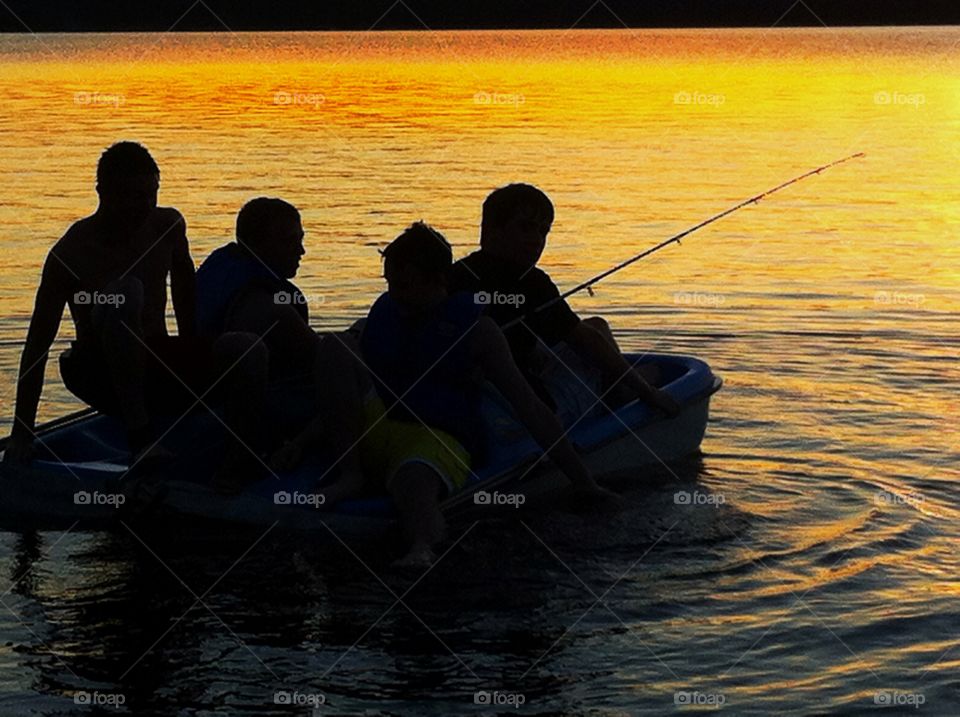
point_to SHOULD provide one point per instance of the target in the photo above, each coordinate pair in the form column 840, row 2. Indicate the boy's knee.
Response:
column 242, row 350
column 597, row 323
column 337, row 355
column 349, row 339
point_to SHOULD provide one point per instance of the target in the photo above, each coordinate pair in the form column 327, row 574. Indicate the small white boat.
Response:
column 79, row 472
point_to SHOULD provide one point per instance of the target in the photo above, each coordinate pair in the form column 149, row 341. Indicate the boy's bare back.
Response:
column 86, row 260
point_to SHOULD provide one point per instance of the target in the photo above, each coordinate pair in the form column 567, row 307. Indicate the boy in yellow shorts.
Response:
column 427, row 352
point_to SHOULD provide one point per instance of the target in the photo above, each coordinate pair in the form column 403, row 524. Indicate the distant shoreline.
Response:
column 258, row 31
column 392, row 15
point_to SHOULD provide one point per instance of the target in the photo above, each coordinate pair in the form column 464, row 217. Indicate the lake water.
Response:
column 827, row 580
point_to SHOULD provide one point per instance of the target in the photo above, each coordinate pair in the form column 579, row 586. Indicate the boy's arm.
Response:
column 55, row 283
column 493, row 353
column 183, row 276
column 282, row 328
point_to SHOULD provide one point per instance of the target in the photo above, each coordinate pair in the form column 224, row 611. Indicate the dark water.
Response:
column 218, row 624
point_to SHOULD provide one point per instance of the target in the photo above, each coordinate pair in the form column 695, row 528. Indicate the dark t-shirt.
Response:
column 511, row 293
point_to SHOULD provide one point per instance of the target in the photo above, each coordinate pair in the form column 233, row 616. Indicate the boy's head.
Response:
column 516, row 221
column 416, row 264
column 128, row 180
column 271, row 229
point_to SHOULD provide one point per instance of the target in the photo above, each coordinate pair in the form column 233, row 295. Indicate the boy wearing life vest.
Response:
column 571, row 362
column 427, row 351
column 246, row 286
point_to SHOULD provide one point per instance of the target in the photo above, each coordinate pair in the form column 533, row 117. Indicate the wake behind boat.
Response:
column 78, row 473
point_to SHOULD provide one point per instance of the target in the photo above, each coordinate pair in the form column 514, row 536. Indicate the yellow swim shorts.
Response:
column 390, row 444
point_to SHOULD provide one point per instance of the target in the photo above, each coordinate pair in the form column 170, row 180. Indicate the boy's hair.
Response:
column 423, row 247
column 257, row 217
column 503, row 203
column 122, row 160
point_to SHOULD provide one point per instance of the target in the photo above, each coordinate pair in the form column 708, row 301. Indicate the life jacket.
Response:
column 226, row 276
column 426, row 362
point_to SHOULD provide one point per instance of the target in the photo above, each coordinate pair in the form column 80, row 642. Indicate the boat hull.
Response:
column 81, row 480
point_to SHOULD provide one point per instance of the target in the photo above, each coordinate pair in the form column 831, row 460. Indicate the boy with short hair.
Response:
column 504, row 274
column 428, row 350
column 246, row 286
column 111, row 270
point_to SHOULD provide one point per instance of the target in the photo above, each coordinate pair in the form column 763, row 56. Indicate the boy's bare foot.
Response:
column 143, row 493
column 19, row 451
column 150, row 460
column 155, row 452
column 420, row 556
column 287, row 457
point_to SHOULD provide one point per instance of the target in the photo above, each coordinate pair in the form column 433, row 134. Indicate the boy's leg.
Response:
column 649, row 371
column 337, row 389
column 240, row 367
column 342, row 383
column 416, row 490
column 601, row 326
column 119, row 327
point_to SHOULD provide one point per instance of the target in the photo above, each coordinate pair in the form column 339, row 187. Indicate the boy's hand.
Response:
column 287, row 457
column 597, row 498
column 19, row 450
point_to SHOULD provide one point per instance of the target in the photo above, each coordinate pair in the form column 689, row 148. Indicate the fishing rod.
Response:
column 675, row 239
